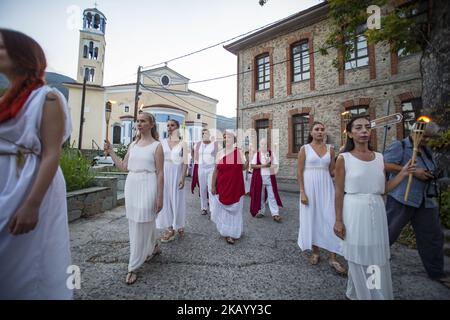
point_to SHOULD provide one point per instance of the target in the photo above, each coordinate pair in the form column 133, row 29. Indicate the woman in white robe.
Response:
column 227, row 190
column 143, row 192
column 173, row 214
column 34, row 122
column 317, row 214
column 361, row 220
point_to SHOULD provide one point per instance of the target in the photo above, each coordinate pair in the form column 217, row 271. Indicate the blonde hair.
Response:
column 154, row 130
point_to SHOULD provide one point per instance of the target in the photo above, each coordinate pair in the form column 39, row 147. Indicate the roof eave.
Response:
column 297, row 21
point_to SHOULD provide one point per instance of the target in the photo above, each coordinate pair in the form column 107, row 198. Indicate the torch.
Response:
column 108, row 107
column 345, row 116
column 417, row 134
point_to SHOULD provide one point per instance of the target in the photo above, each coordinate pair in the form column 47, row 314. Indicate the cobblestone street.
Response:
column 265, row 263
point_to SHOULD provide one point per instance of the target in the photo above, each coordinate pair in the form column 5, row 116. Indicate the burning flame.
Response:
column 424, row 119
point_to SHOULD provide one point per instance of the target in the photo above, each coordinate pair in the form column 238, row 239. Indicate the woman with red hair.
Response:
column 34, row 122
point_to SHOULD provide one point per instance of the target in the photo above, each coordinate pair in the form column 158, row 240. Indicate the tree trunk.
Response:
column 435, row 64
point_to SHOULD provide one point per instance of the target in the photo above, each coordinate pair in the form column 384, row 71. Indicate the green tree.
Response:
column 407, row 31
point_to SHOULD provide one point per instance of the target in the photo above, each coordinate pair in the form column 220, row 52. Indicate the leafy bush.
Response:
column 76, row 169
column 121, row 151
column 407, row 236
column 445, row 209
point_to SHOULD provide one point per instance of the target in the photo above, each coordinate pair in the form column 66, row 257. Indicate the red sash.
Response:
column 256, row 188
column 230, row 180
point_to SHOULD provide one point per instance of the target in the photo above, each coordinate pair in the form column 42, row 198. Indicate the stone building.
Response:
column 285, row 83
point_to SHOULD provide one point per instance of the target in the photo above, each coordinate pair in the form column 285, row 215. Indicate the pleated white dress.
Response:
column 318, row 217
column 228, row 218
column 366, row 243
column 173, row 213
column 140, row 202
column 32, row 265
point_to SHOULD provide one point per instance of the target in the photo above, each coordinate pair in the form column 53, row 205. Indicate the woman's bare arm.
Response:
column 339, row 227
column 51, row 132
column 159, row 163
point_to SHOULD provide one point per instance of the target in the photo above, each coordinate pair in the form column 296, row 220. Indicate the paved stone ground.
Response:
column 265, row 263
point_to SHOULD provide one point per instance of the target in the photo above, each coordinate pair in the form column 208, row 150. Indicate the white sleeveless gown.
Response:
column 318, row 217
column 32, row 265
column 140, row 201
column 173, row 213
column 366, row 243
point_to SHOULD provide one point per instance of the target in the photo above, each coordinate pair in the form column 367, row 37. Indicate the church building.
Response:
column 162, row 91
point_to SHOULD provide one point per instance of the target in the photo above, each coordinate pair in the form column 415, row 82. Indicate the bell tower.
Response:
column 91, row 54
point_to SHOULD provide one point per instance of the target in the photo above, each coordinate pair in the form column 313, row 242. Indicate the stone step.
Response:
column 120, row 198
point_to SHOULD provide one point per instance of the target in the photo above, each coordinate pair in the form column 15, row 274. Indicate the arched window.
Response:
column 262, row 128
column 91, row 50
column 97, row 22
column 92, row 74
column 358, row 111
column 86, row 73
column 96, row 53
column 300, row 61
column 359, row 56
column 85, row 51
column 117, row 131
column 88, row 19
column 263, row 72
column 300, row 125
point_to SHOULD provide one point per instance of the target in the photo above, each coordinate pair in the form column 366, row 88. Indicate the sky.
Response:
column 148, row 32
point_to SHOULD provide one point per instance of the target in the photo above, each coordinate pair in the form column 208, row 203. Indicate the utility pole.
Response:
column 83, row 97
column 136, row 96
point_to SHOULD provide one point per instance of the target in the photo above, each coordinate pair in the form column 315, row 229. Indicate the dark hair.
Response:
column 178, row 126
column 30, row 63
column 349, row 143
column 176, row 122
column 310, row 138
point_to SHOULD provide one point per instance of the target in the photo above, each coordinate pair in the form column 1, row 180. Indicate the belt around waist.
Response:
column 363, row 194
column 319, row 168
column 141, row 171
column 19, row 152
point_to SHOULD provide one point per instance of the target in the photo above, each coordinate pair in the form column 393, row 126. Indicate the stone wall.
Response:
column 326, row 94
column 90, row 201
column 120, row 176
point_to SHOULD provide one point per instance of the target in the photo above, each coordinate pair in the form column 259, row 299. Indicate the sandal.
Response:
column 229, row 240
column 337, row 267
column 204, row 212
column 168, row 236
column 156, row 251
column 277, row 219
column 131, row 278
column 445, row 281
column 181, row 233
column 314, row 258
